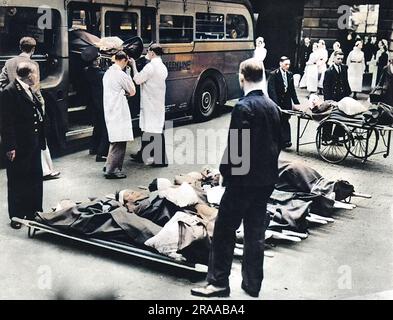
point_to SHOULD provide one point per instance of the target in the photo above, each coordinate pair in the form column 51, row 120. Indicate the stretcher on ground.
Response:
column 125, row 248
column 336, row 138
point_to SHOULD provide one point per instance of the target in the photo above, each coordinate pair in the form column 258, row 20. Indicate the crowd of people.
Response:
column 23, row 120
column 367, row 55
column 259, row 112
column 113, row 125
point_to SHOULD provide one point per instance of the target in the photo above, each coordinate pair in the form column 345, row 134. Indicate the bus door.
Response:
column 126, row 24
column 84, row 26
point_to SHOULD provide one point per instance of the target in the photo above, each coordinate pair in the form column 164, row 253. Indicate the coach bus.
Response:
column 204, row 42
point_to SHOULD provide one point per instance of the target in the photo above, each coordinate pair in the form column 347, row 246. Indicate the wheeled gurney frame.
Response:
column 355, row 138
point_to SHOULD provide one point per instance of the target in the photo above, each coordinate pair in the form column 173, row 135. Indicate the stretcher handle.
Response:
column 362, row 195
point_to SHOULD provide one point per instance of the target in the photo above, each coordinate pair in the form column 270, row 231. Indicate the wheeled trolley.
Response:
column 338, row 137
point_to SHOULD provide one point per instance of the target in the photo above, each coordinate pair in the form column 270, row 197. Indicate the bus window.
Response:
column 79, row 20
column 84, row 17
column 176, row 29
column 237, row 27
column 210, row 26
column 121, row 24
column 18, row 22
column 148, row 22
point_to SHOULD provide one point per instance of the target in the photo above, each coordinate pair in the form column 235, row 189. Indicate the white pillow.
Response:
column 182, row 196
column 351, row 106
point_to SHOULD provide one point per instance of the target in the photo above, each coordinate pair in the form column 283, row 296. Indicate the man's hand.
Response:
column 131, row 62
column 11, row 155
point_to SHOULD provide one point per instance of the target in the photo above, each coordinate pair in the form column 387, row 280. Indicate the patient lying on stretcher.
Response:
column 319, row 109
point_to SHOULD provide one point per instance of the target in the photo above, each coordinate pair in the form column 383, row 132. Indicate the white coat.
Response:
column 356, row 67
column 117, row 112
column 260, row 54
column 153, row 89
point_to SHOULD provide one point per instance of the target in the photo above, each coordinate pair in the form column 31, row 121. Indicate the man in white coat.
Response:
column 117, row 85
column 152, row 118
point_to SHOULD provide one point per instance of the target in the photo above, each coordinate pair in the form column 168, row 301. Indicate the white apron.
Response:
column 310, row 77
column 153, row 89
column 323, row 58
column 356, row 67
column 117, row 112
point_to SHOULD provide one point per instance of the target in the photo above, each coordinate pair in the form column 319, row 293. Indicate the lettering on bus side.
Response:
column 175, row 66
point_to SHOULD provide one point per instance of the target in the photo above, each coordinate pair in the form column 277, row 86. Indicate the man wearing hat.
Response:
column 94, row 75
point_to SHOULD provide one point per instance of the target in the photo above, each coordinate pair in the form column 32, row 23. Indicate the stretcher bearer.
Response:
column 23, row 138
column 254, row 139
column 117, row 85
column 152, row 80
column 282, row 91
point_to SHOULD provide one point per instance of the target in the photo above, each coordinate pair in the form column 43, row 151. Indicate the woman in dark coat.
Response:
column 386, row 83
column 382, row 57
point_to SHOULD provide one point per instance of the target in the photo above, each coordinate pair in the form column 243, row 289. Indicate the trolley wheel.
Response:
column 358, row 146
column 333, row 141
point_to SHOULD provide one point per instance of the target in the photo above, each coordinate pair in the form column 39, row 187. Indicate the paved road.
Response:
column 350, row 258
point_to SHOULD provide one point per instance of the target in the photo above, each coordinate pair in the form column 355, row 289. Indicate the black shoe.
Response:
column 92, row 152
column 287, row 145
column 251, row 293
column 15, row 225
column 156, row 165
column 210, row 291
column 136, row 157
column 51, row 176
column 117, row 175
column 100, row 159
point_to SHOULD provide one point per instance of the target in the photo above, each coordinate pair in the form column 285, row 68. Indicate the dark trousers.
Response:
column 237, row 204
column 153, row 146
column 285, row 128
column 24, row 181
column 99, row 141
column 115, row 159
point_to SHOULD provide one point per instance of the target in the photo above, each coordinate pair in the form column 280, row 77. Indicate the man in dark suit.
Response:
column 99, row 144
column 23, row 138
column 335, row 84
column 304, row 54
column 282, row 91
column 250, row 170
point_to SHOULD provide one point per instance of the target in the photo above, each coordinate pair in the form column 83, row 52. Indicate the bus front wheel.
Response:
column 206, row 99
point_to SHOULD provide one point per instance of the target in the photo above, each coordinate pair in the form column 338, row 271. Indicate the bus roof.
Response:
column 246, row 3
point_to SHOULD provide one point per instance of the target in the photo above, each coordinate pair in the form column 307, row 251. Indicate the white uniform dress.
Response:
column 323, row 58
column 260, row 54
column 310, row 77
column 117, row 112
column 356, row 66
column 153, row 89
